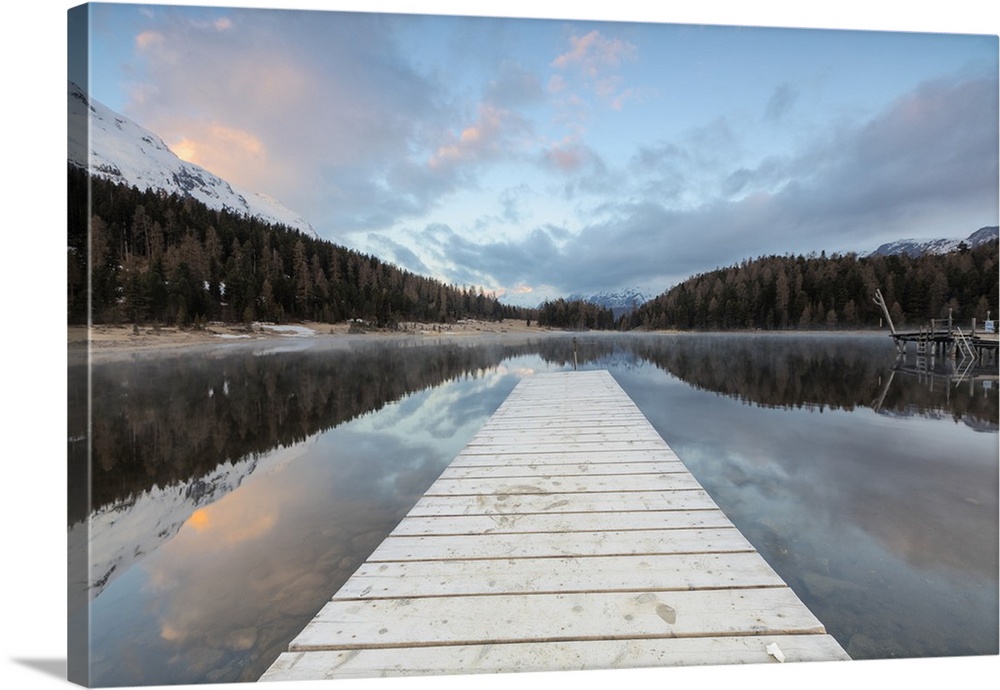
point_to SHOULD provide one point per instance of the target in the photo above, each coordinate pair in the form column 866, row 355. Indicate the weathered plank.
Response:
column 566, row 534
column 506, row 458
column 509, row 439
column 490, row 619
column 536, row 575
column 502, row 486
column 545, row 656
column 608, row 502
column 511, row 523
column 525, row 447
column 563, row 469
column 547, row 544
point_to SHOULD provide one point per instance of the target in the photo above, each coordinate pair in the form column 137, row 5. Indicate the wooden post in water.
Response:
column 880, row 301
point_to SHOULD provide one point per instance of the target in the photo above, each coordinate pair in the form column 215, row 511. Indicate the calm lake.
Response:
column 235, row 488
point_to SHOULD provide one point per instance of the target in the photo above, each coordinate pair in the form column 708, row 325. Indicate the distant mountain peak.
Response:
column 914, row 247
column 117, row 149
column 623, row 301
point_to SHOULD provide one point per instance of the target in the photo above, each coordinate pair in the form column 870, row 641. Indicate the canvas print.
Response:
column 422, row 344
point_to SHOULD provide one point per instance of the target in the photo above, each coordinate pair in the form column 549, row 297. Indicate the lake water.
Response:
column 236, row 488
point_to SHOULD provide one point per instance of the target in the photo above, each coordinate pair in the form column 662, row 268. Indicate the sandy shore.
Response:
column 132, row 338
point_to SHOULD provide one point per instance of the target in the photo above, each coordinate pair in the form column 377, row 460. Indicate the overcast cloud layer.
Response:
column 538, row 158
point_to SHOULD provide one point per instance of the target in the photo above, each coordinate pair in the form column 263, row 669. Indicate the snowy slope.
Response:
column 913, row 247
column 122, row 151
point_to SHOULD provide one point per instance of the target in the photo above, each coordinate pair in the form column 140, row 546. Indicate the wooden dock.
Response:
column 566, row 535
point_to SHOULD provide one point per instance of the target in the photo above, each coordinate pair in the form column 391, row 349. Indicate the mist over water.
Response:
column 235, row 490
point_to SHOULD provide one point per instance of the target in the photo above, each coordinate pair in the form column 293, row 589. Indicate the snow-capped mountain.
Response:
column 122, row 151
column 619, row 302
column 940, row 246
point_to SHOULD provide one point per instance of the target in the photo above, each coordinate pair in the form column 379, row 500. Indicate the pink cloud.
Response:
column 593, row 53
column 483, row 139
column 568, row 155
column 227, row 151
column 597, row 60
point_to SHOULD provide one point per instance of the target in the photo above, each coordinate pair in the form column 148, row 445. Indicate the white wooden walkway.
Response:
column 566, row 535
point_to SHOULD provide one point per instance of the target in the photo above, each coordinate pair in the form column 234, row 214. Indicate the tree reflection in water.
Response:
column 276, row 473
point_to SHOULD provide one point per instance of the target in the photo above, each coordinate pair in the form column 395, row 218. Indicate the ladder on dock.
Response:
column 566, row 535
column 962, row 344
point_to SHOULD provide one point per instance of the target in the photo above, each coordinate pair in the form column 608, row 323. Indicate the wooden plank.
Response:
column 580, row 435
column 557, row 457
column 553, row 422
column 524, row 446
column 547, row 544
column 561, row 485
column 491, row 619
column 612, row 501
column 530, row 576
column 566, row 534
column 511, row 523
column 563, row 469
column 537, row 657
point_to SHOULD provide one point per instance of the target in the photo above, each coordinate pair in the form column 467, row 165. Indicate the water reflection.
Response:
column 884, row 521
column 157, row 422
column 224, row 595
column 841, row 372
column 234, row 493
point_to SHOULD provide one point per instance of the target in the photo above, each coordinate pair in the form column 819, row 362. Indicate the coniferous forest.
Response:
column 167, row 259
column 159, row 258
column 575, row 314
column 829, row 292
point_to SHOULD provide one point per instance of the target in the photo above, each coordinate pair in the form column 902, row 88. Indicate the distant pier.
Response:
column 936, row 341
column 566, row 535
column 944, row 338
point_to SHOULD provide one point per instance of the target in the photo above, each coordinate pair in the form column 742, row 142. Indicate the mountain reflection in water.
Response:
column 233, row 491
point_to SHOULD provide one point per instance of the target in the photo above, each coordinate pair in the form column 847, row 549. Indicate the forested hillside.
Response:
column 161, row 258
column 576, row 314
column 167, row 259
column 789, row 292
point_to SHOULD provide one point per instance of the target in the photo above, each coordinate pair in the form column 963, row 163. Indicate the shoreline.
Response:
column 103, row 340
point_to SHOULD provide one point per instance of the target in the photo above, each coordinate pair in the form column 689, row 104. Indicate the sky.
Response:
column 542, row 157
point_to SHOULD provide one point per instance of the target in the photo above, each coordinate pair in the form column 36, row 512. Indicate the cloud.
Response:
column 217, row 147
column 557, row 84
column 398, row 254
column 930, row 157
column 512, row 200
column 330, row 99
column 149, row 40
column 593, row 54
column 595, row 60
column 781, row 101
column 514, row 86
column 489, row 137
column 339, row 124
column 495, row 264
column 567, row 156
column 701, row 163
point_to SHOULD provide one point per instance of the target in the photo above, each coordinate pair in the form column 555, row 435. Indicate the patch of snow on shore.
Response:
column 297, row 331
